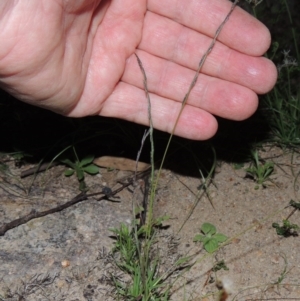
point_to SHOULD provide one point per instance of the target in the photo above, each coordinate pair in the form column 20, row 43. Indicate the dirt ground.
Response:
column 65, row 255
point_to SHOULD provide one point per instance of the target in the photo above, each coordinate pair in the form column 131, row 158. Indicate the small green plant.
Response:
column 259, row 170
column 125, row 245
column 210, row 238
column 146, row 282
column 287, row 229
column 79, row 167
column 294, row 204
column 220, row 265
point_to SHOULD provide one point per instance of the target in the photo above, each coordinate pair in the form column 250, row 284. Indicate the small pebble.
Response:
column 65, row 263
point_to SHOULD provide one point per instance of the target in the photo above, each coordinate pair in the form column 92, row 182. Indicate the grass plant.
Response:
column 259, row 170
column 282, row 104
column 143, row 270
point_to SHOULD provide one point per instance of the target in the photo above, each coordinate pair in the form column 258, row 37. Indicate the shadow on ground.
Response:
column 34, row 134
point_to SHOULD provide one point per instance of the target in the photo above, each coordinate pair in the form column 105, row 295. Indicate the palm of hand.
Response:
column 76, row 58
column 75, row 54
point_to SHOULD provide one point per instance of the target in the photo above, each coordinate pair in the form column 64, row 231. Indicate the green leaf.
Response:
column 69, row 163
column 138, row 210
column 199, row 237
column 80, row 174
column 211, row 246
column 87, row 160
column 69, row 172
column 206, row 239
column 159, row 221
column 208, row 228
column 91, row 169
column 182, row 261
column 220, row 237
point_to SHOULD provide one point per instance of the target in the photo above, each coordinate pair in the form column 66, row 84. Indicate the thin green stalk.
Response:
column 289, row 82
column 144, row 254
column 151, row 142
column 293, row 29
column 144, row 251
column 193, row 83
column 184, row 101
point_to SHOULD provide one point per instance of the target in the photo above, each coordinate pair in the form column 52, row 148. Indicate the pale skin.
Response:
column 76, row 58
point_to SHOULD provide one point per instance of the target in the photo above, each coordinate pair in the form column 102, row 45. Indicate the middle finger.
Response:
column 172, row 41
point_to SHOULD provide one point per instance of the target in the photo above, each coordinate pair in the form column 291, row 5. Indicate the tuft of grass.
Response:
column 146, row 283
column 282, row 105
column 136, row 256
column 259, row 170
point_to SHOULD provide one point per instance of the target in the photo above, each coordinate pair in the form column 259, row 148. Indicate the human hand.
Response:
column 77, row 58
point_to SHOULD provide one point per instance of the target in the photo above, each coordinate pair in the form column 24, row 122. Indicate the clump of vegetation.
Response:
column 146, row 282
column 79, row 167
column 286, row 229
column 210, row 238
column 259, row 170
column 220, row 265
column 282, row 104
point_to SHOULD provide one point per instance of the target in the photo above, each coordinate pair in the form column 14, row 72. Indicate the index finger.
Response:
column 243, row 33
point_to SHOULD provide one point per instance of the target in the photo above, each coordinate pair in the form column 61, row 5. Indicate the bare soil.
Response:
column 65, row 255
